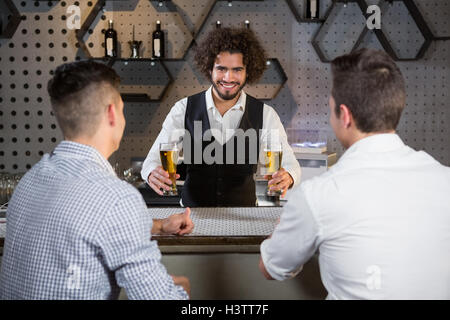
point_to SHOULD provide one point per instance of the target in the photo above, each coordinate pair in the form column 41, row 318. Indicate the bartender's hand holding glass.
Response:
column 164, row 177
column 159, row 180
column 279, row 180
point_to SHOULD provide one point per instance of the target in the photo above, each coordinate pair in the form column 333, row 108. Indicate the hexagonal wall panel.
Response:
column 144, row 14
column 409, row 38
column 142, row 80
column 432, row 11
column 402, row 40
column 194, row 12
column 271, row 82
column 337, row 36
column 9, row 19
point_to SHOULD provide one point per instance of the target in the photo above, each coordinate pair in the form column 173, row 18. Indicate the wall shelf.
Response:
column 383, row 39
column 142, row 80
column 10, row 17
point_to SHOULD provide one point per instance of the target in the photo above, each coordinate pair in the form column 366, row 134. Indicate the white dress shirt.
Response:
column 380, row 219
column 222, row 128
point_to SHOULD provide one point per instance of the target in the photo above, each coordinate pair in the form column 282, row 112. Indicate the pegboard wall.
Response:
column 297, row 83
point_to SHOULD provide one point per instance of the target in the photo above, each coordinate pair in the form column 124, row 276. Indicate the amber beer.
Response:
column 168, row 153
column 273, row 156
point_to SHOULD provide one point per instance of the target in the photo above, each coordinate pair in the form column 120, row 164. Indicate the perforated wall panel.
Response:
column 43, row 41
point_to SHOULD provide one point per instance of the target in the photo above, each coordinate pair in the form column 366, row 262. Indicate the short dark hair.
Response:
column 77, row 92
column 233, row 40
column 371, row 85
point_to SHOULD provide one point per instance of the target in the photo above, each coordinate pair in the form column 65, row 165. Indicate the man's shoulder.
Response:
column 326, row 185
column 90, row 177
column 110, row 184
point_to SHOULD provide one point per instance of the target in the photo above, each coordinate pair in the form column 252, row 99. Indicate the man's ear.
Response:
column 345, row 116
column 112, row 114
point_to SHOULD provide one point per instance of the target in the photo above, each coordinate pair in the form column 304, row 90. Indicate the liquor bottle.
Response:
column 158, row 42
column 218, row 24
column 111, row 41
column 247, row 24
column 312, row 9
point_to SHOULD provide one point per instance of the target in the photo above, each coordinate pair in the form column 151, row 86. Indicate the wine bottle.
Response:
column 312, row 9
column 111, row 41
column 158, row 42
column 218, row 24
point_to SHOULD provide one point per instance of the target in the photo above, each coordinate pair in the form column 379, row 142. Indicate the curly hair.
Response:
column 233, row 40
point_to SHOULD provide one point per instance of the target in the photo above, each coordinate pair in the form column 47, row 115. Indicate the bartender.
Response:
column 230, row 58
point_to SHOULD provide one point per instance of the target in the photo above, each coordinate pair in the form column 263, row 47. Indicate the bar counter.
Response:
column 221, row 255
column 220, row 230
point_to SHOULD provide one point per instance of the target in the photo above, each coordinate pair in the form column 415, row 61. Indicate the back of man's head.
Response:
column 79, row 93
column 371, row 85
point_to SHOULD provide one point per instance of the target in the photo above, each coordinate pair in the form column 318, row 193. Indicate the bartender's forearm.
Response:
column 294, row 173
column 149, row 165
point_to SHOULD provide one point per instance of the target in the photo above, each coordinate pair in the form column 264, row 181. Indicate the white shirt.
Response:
column 381, row 221
column 222, row 128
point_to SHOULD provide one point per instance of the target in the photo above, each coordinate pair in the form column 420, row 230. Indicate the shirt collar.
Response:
column 382, row 142
column 72, row 149
column 240, row 103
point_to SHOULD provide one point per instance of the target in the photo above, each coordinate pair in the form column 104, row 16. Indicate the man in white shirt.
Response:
column 210, row 121
column 380, row 218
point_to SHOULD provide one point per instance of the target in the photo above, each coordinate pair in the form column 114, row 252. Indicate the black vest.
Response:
column 221, row 185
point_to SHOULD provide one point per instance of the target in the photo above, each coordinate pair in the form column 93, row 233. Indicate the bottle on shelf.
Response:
column 111, row 41
column 158, row 42
column 218, row 24
column 247, row 24
column 312, row 9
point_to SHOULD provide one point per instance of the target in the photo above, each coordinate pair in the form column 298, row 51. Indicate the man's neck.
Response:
column 223, row 105
column 358, row 135
column 99, row 144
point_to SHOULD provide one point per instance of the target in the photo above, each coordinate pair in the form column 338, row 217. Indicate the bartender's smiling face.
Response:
column 228, row 75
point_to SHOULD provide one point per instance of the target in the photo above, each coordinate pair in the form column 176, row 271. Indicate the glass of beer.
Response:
column 169, row 159
column 273, row 154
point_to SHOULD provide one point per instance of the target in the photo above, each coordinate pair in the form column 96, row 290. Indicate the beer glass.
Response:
column 168, row 153
column 273, row 154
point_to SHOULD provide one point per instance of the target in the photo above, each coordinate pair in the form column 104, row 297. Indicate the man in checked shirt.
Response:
column 75, row 230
